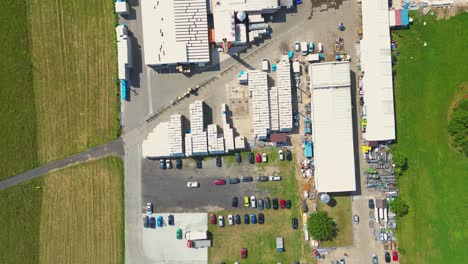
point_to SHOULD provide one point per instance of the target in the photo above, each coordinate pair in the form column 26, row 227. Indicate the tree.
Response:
column 321, row 227
column 458, row 126
column 399, row 207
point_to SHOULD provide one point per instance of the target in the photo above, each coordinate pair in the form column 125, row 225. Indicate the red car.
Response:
column 213, row 219
column 282, row 204
column 258, row 158
column 244, row 253
column 395, row 255
column 316, row 254
column 219, row 182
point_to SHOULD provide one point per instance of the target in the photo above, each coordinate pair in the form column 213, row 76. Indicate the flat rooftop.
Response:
column 175, row 31
column 332, row 127
column 244, row 5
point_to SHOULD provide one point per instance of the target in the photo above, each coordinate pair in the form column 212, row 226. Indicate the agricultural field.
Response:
column 426, row 82
column 59, row 64
column 74, row 215
column 340, row 211
column 260, row 239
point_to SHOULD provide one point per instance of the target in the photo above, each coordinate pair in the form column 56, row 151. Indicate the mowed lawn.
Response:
column 260, row 240
column 59, row 95
column 427, row 78
column 74, row 215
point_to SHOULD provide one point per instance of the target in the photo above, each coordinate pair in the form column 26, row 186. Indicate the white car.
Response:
column 264, row 157
column 281, row 154
column 149, row 208
column 168, row 164
column 275, row 178
column 297, row 46
column 253, row 201
column 193, row 184
column 230, row 220
column 221, row 221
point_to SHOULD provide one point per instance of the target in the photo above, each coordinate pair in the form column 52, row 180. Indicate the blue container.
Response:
column 123, row 90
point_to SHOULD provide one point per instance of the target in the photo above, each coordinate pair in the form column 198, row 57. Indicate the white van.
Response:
column 304, row 49
column 319, row 47
column 265, row 65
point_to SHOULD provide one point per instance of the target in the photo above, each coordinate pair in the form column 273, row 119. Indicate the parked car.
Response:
column 264, row 157
column 219, row 182
column 297, row 45
column 178, row 164
column 281, row 154
column 251, row 158
column 253, row 201
column 275, row 203
column 198, row 163
column 310, row 47
column 258, row 158
column 218, row 161
column 149, row 208
column 375, row 260
column 342, row 261
column 253, row 218
column 288, row 155
column 243, row 253
column 247, row 179
column 356, row 219
column 234, row 180
column 213, row 219
column 261, row 218
column 395, row 255
column 246, row 219
column 193, row 184
column 221, row 221
column 371, row 204
column 169, row 164
column 262, row 178
column 319, row 47
column 234, row 201
column 265, row 65
column 238, row 157
column 388, row 259
column 267, row 203
column 162, row 164
column 298, row 2
column 170, row 220
column 317, row 254
column 275, row 178
column 179, row 233
column 152, row 222
column 282, row 204
column 160, row 221
column 304, row 206
column 260, row 204
column 145, row 221
column 237, row 219
column 294, row 223
column 246, row 201
column 288, row 204
column 230, row 219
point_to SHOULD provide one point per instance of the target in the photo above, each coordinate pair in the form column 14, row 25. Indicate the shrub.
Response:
column 399, row 207
column 458, row 127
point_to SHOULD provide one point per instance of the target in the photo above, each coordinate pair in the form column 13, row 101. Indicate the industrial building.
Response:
column 376, row 64
column 124, row 52
column 175, row 32
column 331, row 114
column 258, row 88
column 398, row 18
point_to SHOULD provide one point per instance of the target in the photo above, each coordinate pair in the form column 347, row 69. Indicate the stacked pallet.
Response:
column 215, row 143
column 274, row 109
column 228, row 131
column 283, row 76
column 176, row 141
column 196, row 142
column 260, row 103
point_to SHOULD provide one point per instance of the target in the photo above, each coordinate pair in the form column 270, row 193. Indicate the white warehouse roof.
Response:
column 332, row 127
column 258, row 86
column 377, row 66
column 175, row 31
column 124, row 51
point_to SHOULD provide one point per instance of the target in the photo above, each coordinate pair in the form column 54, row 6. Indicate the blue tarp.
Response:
column 123, row 90
column 404, row 17
column 308, row 153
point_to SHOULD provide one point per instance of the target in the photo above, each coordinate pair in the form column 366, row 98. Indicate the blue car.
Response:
column 253, row 218
column 160, row 221
column 152, row 222
column 246, row 219
column 298, row 2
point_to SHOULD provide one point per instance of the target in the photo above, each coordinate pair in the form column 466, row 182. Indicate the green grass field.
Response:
column 341, row 213
column 58, row 94
column 435, row 230
column 70, row 216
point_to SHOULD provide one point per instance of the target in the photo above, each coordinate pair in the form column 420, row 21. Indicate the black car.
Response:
column 145, row 221
column 162, row 164
column 251, row 158
column 178, row 164
column 260, row 204
column 388, row 259
column 237, row 219
column 305, row 208
column 246, row 219
column 234, row 180
column 261, row 218
column 247, row 179
column 267, row 203
column 199, row 164
column 152, row 222
column 288, row 204
column 275, row 203
column 218, row 161
column 171, row 220
column 262, row 178
column 234, row 201
column 238, row 158
column 294, row 223
column 288, row 153
column 371, row 204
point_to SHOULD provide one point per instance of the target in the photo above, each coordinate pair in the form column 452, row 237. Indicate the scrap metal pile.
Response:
column 380, row 173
